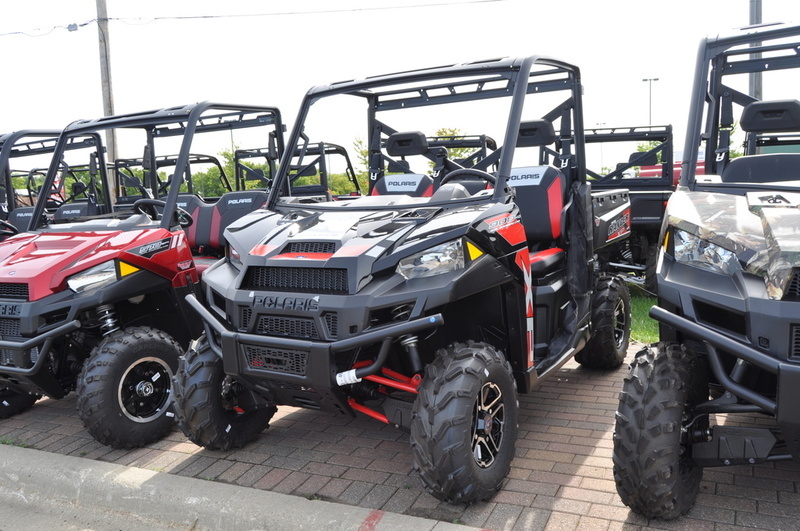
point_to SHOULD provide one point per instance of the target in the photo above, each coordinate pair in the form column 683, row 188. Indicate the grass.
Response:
column 643, row 328
column 13, row 442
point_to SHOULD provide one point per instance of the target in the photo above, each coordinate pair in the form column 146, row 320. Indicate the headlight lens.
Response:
column 696, row 252
column 434, row 261
column 234, row 258
column 93, row 278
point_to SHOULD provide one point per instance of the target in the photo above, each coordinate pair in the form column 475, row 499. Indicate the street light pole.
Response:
column 650, row 105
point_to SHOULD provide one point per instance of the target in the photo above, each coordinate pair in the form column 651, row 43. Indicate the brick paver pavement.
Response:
column 561, row 477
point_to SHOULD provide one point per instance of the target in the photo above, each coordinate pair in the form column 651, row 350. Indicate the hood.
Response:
column 363, row 243
column 761, row 228
column 43, row 261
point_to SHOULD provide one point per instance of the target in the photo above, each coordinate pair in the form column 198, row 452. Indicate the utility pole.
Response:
column 755, row 77
column 105, row 76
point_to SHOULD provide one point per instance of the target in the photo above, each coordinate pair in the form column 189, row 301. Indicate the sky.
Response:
column 174, row 52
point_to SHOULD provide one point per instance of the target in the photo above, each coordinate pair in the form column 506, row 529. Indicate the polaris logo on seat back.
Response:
column 242, row 201
column 402, row 183
column 529, row 176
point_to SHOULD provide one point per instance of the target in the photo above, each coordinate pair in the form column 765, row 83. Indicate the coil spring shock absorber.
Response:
column 108, row 318
column 409, row 341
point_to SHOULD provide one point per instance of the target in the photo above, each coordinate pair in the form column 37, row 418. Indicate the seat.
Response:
column 205, row 235
column 75, row 210
column 20, row 217
column 198, row 234
column 776, row 116
column 770, row 167
column 540, row 193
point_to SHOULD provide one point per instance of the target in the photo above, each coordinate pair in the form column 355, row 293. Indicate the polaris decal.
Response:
column 287, row 303
column 402, row 183
column 240, row 201
column 530, row 176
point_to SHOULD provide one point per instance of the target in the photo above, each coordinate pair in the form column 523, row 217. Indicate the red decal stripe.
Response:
column 302, row 256
column 352, row 250
column 513, row 233
column 261, row 250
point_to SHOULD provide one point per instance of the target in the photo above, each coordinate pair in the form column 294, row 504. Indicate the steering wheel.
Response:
column 7, row 229
column 468, row 172
column 148, row 206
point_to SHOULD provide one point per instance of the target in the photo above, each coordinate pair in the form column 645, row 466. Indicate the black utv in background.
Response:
column 728, row 280
column 646, row 171
column 431, row 302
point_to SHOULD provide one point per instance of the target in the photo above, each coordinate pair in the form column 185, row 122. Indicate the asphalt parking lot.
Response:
column 561, row 477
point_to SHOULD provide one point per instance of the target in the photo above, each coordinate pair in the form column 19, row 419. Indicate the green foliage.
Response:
column 455, row 133
column 643, row 327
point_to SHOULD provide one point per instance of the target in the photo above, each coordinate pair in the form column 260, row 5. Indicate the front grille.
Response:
column 244, row 317
column 794, row 342
column 9, row 328
column 274, row 359
column 296, row 327
column 311, row 247
column 297, row 279
column 9, row 331
column 332, row 322
column 793, row 289
column 9, row 290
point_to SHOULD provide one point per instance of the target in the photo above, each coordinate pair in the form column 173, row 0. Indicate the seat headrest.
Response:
column 771, row 116
column 408, row 143
column 536, row 133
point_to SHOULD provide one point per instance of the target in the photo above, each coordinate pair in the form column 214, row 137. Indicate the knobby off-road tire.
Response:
column 13, row 403
column 210, row 413
column 125, row 387
column 611, row 325
column 653, row 469
column 464, row 423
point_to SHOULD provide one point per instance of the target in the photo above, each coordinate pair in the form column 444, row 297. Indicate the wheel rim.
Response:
column 145, row 389
column 620, row 323
column 487, row 424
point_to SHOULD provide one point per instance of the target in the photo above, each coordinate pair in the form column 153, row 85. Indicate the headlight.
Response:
column 93, row 278
column 234, row 258
column 696, row 252
column 434, row 261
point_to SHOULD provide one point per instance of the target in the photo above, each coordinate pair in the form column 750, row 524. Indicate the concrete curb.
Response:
column 35, row 478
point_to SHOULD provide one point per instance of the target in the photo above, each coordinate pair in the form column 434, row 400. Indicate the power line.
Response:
column 74, row 26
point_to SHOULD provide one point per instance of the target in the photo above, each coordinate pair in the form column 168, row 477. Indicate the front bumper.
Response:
column 783, row 406
column 298, row 372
